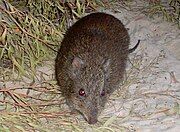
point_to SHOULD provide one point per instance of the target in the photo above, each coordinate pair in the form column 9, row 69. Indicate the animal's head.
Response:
column 90, row 86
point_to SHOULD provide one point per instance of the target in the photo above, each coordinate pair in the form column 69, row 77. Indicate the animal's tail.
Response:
column 135, row 47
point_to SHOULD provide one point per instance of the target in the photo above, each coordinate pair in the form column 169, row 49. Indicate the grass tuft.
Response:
column 31, row 32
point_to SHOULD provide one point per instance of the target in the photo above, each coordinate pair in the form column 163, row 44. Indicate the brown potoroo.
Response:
column 91, row 62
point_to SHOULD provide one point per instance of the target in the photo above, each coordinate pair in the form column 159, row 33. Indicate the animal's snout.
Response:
column 94, row 112
column 92, row 120
column 93, row 116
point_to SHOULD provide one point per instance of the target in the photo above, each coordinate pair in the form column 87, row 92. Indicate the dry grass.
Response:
column 32, row 35
column 169, row 10
column 29, row 38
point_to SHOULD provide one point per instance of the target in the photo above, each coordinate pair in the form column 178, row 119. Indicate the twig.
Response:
column 173, row 78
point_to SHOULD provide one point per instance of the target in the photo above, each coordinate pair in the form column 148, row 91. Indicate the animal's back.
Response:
column 97, row 32
column 101, row 35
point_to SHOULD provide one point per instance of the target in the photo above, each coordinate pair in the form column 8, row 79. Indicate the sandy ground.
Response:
column 150, row 99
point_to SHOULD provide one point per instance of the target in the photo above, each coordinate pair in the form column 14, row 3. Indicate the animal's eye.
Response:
column 82, row 92
column 103, row 93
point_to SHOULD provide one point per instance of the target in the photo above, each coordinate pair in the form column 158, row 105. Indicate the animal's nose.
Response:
column 92, row 120
column 93, row 117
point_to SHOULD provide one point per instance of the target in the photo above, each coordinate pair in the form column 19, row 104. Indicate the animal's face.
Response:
column 90, row 91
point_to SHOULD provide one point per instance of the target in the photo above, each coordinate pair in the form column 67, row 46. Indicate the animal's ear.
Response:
column 77, row 63
column 106, row 67
column 76, row 66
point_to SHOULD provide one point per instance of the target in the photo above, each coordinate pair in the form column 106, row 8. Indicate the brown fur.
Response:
column 92, row 57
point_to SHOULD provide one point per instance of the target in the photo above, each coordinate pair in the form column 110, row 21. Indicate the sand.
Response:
column 150, row 99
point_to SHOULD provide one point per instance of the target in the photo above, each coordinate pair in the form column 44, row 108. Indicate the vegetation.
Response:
column 30, row 34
